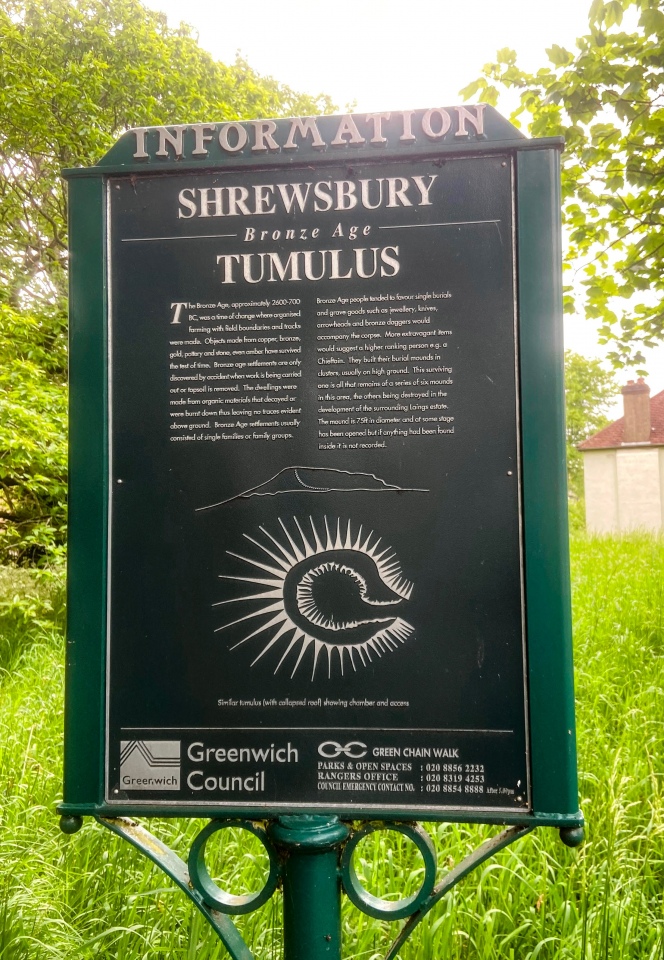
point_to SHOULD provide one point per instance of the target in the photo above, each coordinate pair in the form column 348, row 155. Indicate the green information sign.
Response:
column 318, row 545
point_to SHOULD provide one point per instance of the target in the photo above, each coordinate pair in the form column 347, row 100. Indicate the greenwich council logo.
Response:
column 149, row 764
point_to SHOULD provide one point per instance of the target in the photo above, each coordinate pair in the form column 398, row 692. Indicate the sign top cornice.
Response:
column 296, row 140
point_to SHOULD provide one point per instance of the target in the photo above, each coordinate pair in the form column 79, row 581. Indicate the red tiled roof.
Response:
column 612, row 436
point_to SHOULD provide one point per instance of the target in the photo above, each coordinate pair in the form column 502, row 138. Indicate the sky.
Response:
column 393, row 55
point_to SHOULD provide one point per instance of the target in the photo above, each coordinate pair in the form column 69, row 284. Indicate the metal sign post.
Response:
column 318, row 544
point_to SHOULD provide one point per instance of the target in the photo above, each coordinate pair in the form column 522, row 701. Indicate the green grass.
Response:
column 30, row 601
column 90, row 895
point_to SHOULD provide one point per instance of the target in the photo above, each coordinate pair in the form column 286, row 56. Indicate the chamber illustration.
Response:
column 332, row 596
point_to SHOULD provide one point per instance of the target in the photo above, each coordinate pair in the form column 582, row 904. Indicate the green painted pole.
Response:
column 310, row 847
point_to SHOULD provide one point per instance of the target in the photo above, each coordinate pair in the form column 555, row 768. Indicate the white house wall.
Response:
column 601, row 489
column 624, row 489
column 639, row 488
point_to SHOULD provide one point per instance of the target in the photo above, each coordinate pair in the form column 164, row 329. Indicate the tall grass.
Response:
column 91, row 896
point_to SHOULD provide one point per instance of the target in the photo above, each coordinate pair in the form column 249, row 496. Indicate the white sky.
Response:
column 392, row 55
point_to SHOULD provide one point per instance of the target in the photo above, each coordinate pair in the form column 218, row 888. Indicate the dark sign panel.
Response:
column 317, row 506
column 315, row 553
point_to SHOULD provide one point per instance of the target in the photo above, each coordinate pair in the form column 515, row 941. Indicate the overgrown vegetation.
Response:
column 90, row 895
column 30, row 601
column 33, row 436
column 606, row 98
column 589, row 391
column 74, row 74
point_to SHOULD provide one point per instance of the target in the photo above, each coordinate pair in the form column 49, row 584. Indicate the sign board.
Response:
column 318, row 555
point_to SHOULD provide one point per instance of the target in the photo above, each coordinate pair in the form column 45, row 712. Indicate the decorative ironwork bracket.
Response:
column 312, row 857
column 177, row 870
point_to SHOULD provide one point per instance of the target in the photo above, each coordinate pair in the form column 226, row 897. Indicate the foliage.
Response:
column 30, row 600
column 607, row 100
column 90, row 895
column 576, row 515
column 589, row 390
column 33, row 454
column 73, row 75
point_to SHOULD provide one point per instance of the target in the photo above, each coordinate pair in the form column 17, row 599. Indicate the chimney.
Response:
column 636, row 404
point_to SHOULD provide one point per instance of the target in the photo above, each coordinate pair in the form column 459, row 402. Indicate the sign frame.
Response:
column 538, row 266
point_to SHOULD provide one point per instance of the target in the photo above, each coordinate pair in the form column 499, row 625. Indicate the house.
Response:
column 623, row 466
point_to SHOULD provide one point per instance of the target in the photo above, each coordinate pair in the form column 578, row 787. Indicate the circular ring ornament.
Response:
column 212, row 894
column 375, row 906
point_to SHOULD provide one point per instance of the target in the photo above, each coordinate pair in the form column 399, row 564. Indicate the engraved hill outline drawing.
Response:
column 329, row 480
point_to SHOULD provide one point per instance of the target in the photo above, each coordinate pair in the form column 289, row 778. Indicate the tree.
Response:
column 589, row 390
column 607, row 100
column 74, row 74
column 33, row 437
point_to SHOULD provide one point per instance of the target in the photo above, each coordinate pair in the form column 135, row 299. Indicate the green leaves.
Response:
column 612, row 13
column 556, row 54
column 506, row 55
column 472, row 89
column 607, row 100
column 652, row 21
column 33, row 423
column 74, row 74
column 589, row 389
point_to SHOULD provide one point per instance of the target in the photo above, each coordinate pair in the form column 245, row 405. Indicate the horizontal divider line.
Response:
column 331, row 729
column 449, row 223
column 206, row 236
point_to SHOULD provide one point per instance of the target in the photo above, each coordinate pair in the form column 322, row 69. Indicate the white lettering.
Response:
column 325, row 198
column 239, row 132
column 177, row 311
column 407, row 118
column 476, row 119
column 227, row 260
column 377, row 120
column 207, row 204
column 364, row 190
column 335, row 275
column 424, row 191
column 305, row 126
column 264, row 139
column 236, row 201
column 346, row 198
column 400, row 192
column 445, row 123
column 200, row 150
column 172, row 139
column 190, row 780
column 261, row 198
column 140, row 144
column 347, row 128
column 389, row 261
column 189, row 204
column 295, row 194
column 292, row 264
